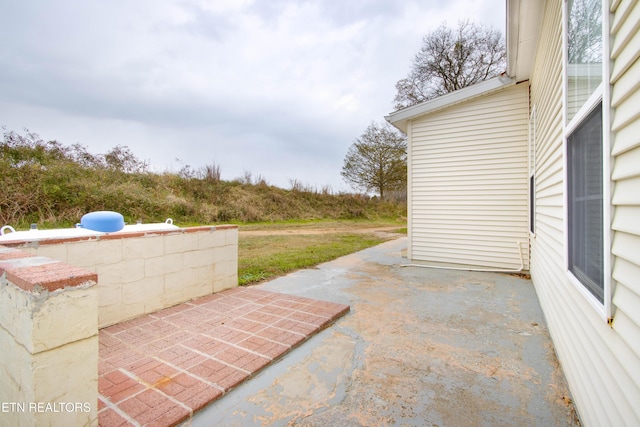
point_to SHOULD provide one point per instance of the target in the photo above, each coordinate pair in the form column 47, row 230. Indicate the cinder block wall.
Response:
column 144, row 272
column 48, row 342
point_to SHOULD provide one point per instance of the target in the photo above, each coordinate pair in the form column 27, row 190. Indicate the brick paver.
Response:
column 160, row 368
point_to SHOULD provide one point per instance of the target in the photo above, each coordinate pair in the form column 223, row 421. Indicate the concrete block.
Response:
column 178, row 296
column 225, row 268
column 87, row 254
column 143, row 247
column 166, row 264
column 179, row 243
column 16, row 384
column 180, row 279
column 109, row 275
column 67, row 316
column 205, row 274
column 109, row 293
column 111, row 251
column 196, row 291
column 183, row 286
column 231, row 236
column 68, row 374
column 211, row 239
column 225, row 282
column 154, row 267
column 58, row 252
column 15, row 313
column 141, row 290
column 199, row 258
column 113, row 314
column 132, row 270
column 15, row 371
column 224, row 253
column 153, row 304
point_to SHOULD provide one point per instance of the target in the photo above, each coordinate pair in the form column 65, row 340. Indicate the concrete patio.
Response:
column 419, row 347
column 159, row 369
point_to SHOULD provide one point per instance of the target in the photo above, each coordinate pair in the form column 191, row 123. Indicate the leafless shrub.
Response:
column 300, row 187
column 210, row 173
column 327, row 190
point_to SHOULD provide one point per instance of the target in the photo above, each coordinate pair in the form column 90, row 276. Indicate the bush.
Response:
column 54, row 185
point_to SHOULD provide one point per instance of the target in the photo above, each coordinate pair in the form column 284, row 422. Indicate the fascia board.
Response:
column 401, row 118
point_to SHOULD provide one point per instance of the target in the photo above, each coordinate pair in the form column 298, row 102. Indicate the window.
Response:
column 584, row 192
column 585, row 145
column 584, row 53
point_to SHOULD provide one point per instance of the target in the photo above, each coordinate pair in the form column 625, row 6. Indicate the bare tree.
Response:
column 450, row 60
column 585, row 32
column 377, row 161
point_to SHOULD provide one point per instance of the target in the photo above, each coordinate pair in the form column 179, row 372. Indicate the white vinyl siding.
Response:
column 469, row 182
column 601, row 361
column 625, row 150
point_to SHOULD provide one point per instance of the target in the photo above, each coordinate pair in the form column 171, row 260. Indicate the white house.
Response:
column 544, row 162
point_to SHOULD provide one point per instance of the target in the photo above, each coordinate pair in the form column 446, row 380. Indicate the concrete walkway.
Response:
column 419, row 347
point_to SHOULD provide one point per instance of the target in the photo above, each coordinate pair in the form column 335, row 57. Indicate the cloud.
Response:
column 279, row 88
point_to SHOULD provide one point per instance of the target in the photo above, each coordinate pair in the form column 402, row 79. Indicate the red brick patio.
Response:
column 160, row 368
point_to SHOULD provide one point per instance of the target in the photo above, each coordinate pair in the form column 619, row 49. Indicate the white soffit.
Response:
column 524, row 18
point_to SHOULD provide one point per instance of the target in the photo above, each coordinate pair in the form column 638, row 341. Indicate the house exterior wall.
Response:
column 469, row 183
column 601, row 361
column 625, row 175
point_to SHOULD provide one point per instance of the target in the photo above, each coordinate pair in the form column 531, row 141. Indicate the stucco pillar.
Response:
column 48, row 342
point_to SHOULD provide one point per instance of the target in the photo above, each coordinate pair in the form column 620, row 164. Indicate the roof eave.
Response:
column 401, row 118
column 524, row 18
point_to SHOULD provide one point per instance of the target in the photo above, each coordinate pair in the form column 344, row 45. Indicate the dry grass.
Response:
column 286, row 247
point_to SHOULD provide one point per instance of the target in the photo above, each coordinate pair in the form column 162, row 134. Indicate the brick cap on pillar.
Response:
column 36, row 273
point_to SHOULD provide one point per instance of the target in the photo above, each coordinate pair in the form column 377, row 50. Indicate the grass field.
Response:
column 268, row 251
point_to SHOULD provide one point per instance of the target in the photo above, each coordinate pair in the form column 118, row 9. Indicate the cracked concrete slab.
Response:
column 419, row 347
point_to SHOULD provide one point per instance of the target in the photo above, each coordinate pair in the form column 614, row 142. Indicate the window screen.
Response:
column 584, row 167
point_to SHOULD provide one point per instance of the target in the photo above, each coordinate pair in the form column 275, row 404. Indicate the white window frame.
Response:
column 602, row 92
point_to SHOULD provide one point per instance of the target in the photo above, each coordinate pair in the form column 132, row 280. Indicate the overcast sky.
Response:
column 276, row 88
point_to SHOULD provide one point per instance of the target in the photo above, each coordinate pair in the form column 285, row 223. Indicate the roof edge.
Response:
column 523, row 26
column 401, row 118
